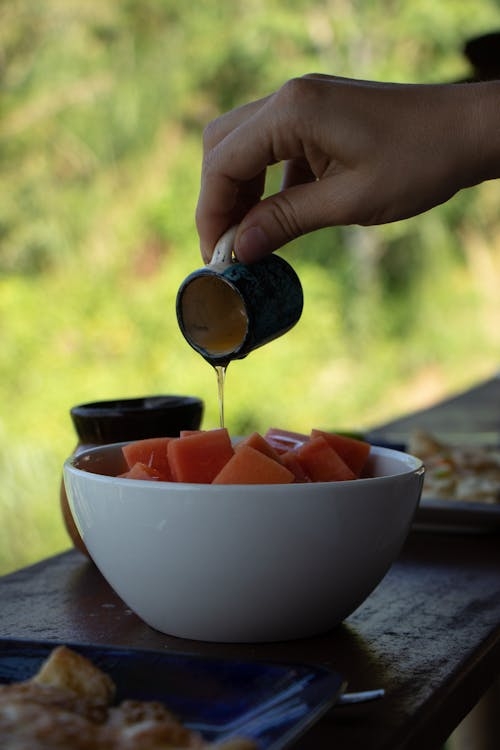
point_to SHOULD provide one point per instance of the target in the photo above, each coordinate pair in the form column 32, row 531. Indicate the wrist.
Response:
column 480, row 127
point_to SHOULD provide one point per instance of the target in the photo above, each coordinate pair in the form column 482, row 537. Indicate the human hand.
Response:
column 354, row 152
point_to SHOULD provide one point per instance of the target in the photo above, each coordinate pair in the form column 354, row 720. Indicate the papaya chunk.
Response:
column 199, row 457
column 251, row 466
column 150, row 452
column 322, row 463
column 291, row 461
column 352, row 451
column 255, row 440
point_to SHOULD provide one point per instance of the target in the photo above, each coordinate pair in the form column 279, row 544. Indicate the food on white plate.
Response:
column 457, row 472
column 69, row 704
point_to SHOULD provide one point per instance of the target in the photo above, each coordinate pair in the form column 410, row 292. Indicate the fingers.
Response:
column 238, row 148
column 222, row 203
column 237, row 153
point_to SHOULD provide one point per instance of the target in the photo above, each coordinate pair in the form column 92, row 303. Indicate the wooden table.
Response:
column 473, row 416
column 429, row 634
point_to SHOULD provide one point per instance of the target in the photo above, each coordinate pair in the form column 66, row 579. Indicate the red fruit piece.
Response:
column 251, row 466
column 199, row 457
column 352, row 451
column 151, row 452
column 322, row 463
column 255, row 440
column 292, row 463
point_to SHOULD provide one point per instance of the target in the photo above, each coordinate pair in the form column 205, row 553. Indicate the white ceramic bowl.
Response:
column 243, row 563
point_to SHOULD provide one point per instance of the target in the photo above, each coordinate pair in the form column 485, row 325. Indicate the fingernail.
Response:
column 252, row 245
column 205, row 253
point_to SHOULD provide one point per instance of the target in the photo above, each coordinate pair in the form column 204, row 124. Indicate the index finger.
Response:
column 216, row 130
column 226, row 194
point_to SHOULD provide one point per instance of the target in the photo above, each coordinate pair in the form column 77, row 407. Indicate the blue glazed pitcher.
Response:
column 227, row 309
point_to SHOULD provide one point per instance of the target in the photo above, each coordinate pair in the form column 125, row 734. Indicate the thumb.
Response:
column 284, row 216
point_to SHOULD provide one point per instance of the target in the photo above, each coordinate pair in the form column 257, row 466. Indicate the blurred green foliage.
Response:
column 102, row 110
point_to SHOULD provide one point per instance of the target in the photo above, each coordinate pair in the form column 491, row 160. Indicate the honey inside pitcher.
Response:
column 214, row 317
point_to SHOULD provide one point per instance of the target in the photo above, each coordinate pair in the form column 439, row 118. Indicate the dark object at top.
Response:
column 119, row 420
column 483, row 53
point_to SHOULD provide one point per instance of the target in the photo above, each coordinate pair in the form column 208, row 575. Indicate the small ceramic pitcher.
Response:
column 227, row 309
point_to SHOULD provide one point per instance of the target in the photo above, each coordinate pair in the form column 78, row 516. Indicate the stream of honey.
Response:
column 220, row 371
column 215, row 323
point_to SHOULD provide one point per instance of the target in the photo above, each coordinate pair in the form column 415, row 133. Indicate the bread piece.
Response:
column 68, row 670
column 69, row 704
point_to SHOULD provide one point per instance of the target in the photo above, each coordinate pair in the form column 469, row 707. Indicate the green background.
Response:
column 103, row 105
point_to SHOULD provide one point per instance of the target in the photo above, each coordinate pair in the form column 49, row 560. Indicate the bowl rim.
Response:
column 414, row 465
column 117, row 408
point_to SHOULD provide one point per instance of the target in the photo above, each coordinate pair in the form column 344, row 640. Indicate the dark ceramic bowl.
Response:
column 102, row 422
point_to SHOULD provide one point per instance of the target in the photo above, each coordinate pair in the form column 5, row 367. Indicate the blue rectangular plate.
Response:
column 272, row 703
